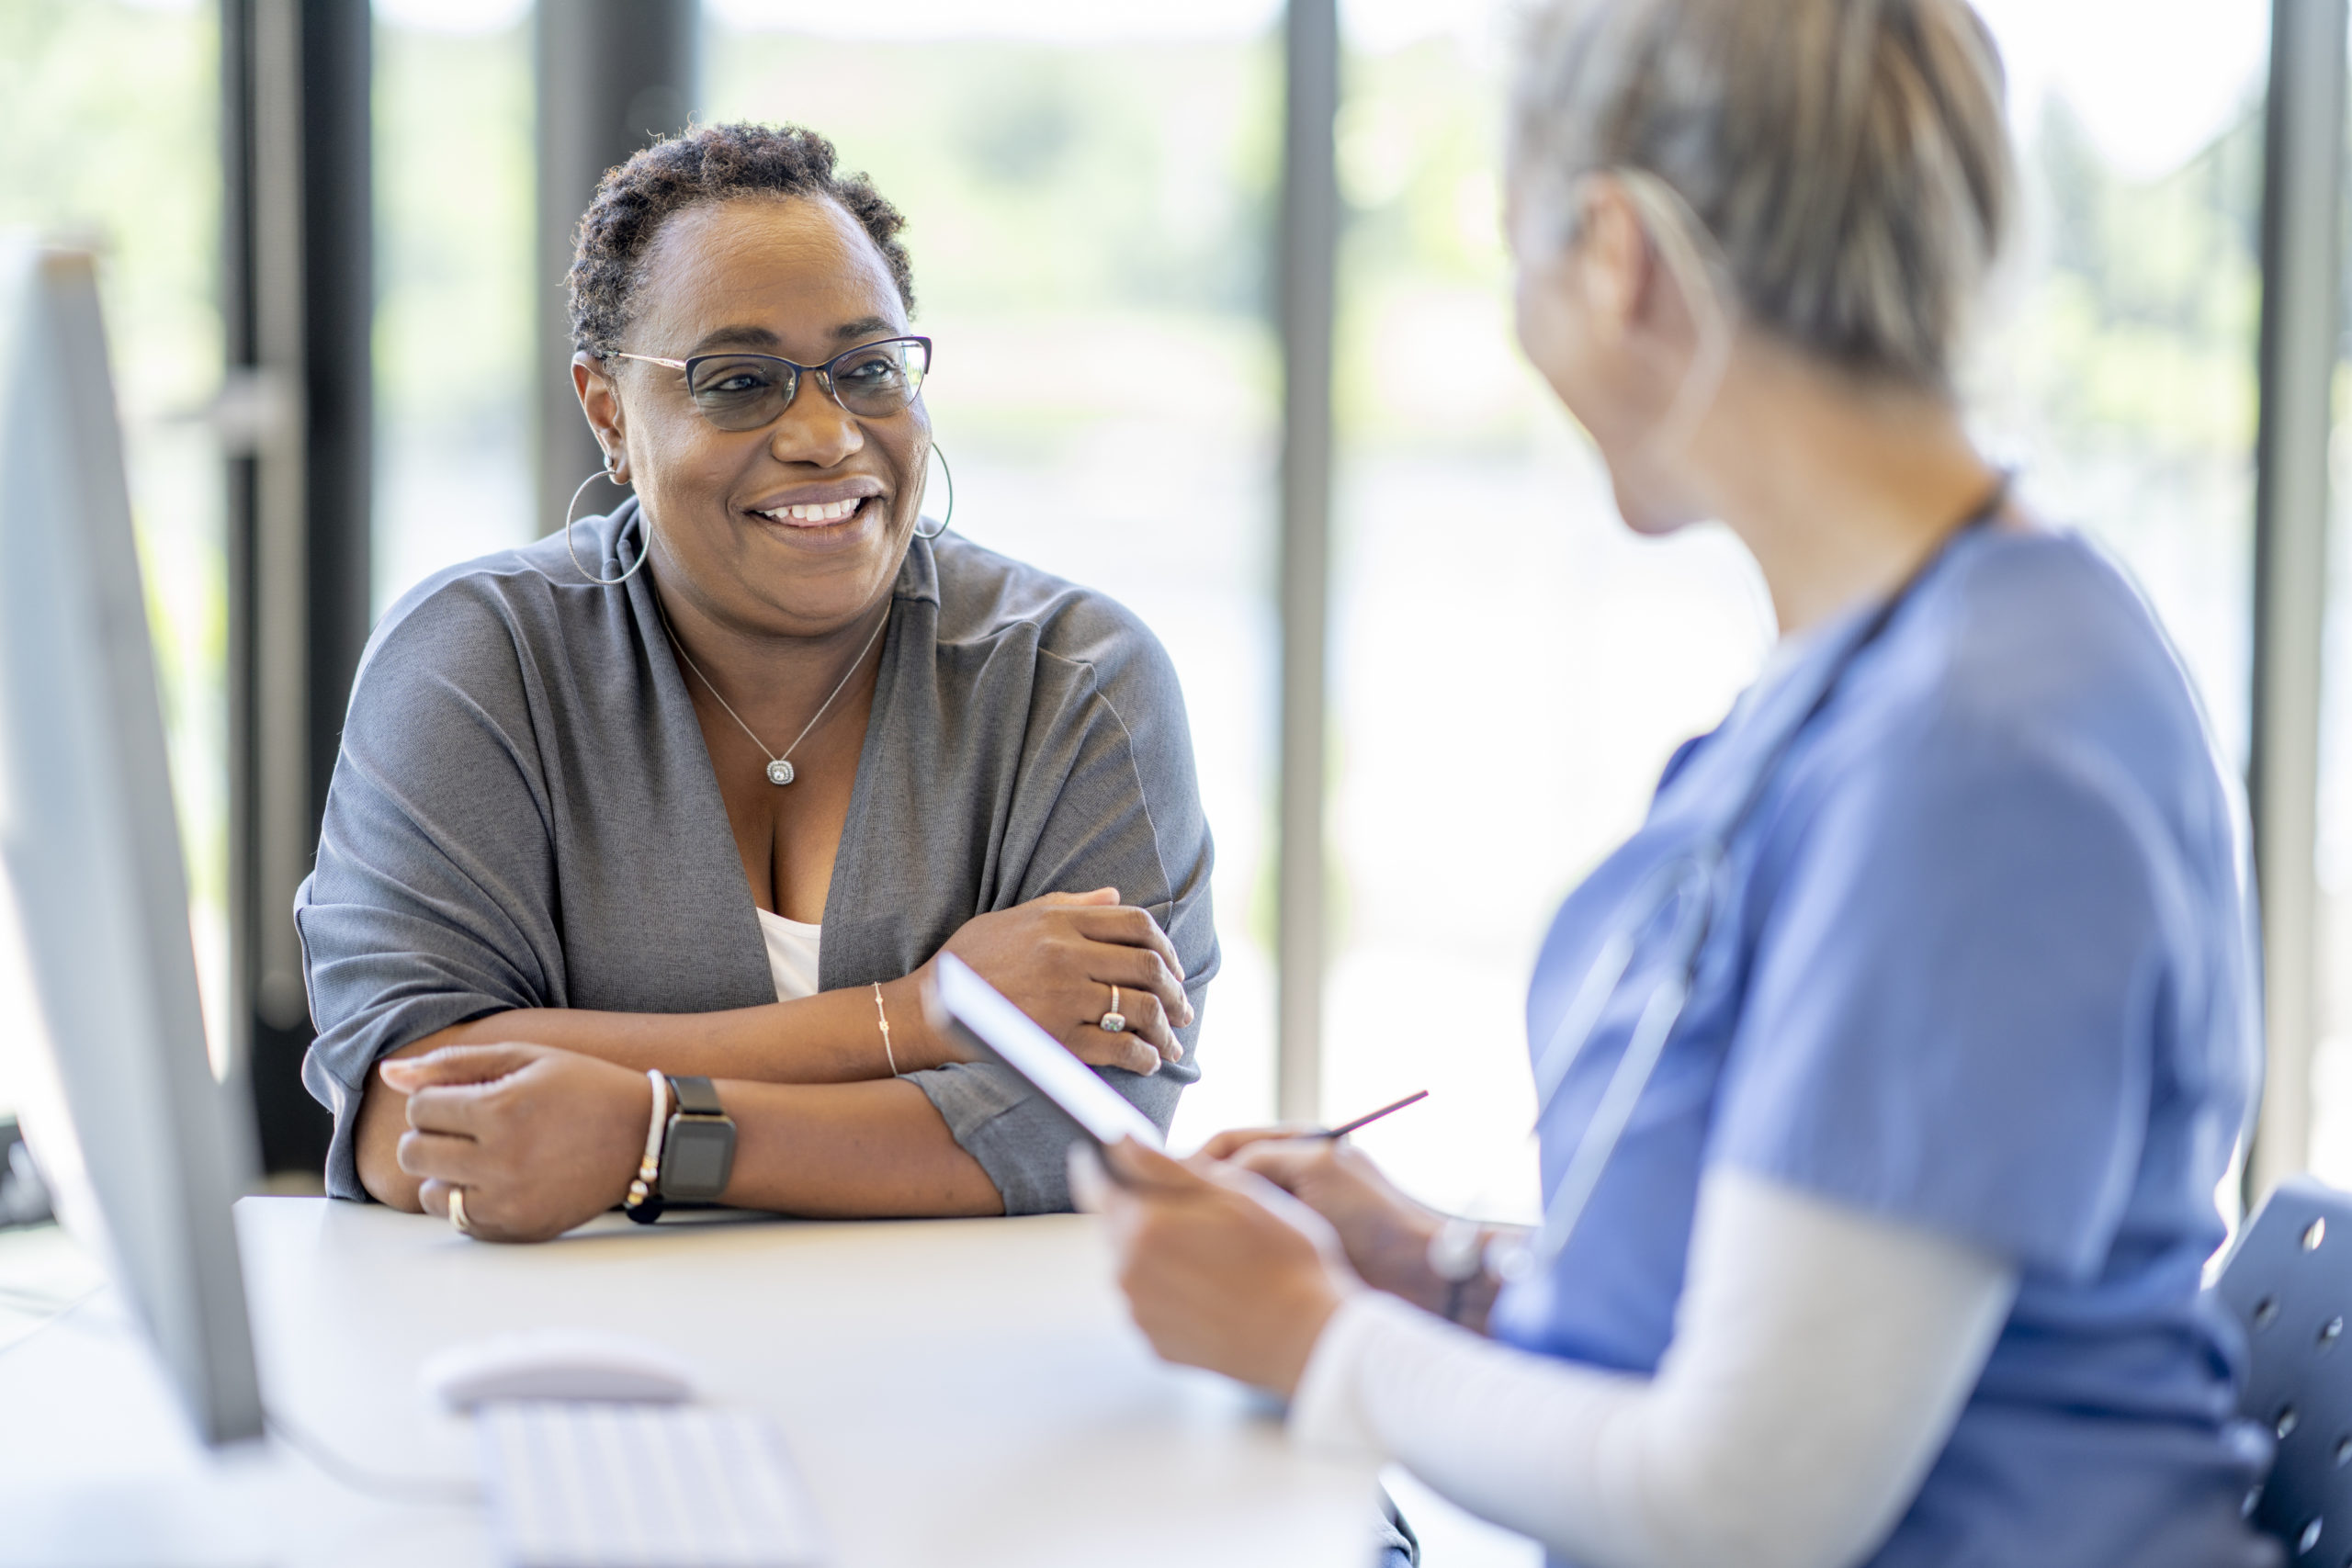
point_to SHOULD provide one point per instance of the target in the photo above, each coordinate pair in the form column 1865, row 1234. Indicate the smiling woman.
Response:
column 523, row 888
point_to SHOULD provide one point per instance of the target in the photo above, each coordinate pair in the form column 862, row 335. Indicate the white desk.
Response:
column 964, row 1391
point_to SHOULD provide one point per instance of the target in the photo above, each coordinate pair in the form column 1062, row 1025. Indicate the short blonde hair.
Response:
column 1846, row 163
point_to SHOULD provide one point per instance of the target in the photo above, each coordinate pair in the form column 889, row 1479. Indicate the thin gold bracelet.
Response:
column 884, row 1020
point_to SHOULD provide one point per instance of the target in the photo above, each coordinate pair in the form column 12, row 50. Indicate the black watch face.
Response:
column 697, row 1159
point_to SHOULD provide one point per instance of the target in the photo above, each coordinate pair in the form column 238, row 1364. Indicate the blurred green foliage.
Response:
column 1426, row 358
column 454, row 212
column 1090, row 226
column 2140, row 328
column 1130, row 177
column 2134, row 327
column 109, row 141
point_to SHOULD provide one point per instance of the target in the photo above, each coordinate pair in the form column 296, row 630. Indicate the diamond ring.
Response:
column 1114, row 1022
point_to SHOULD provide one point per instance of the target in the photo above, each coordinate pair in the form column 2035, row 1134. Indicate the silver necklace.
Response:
column 779, row 768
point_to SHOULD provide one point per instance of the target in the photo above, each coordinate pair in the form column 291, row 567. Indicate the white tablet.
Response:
column 983, row 1019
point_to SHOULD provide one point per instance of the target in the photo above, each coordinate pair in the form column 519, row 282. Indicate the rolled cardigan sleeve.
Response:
column 1108, row 799
column 431, row 901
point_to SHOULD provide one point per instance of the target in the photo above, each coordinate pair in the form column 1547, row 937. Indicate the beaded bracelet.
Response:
column 641, row 1204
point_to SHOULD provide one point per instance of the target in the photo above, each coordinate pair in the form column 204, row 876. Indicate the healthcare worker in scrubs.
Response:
column 1889, row 1071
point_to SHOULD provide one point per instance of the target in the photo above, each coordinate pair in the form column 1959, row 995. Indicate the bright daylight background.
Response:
column 1090, row 189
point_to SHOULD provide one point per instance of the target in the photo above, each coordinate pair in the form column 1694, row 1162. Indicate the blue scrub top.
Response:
column 1981, row 964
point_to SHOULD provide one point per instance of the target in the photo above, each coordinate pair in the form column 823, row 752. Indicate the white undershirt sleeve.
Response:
column 1820, row 1358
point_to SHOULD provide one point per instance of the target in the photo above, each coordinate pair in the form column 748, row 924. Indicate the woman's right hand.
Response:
column 1386, row 1235
column 1056, row 957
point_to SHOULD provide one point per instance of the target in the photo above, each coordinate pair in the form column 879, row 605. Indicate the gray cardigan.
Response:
column 524, row 816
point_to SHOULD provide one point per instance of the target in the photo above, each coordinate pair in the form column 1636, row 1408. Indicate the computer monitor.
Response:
column 136, row 1137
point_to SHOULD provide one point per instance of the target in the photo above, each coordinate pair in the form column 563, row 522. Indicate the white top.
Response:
column 792, row 954
column 1820, row 1358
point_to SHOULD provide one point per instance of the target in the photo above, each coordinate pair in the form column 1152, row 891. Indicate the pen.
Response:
column 1369, row 1117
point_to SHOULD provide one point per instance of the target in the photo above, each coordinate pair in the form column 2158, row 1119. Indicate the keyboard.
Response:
column 581, row 1485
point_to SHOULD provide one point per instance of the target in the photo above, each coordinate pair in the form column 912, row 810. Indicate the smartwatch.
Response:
column 698, row 1146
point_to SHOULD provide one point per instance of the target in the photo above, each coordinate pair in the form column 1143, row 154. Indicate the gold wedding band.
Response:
column 1114, row 1022
column 457, row 1210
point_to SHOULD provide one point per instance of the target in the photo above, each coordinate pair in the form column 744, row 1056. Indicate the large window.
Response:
column 108, row 141
column 1510, row 668
column 454, row 322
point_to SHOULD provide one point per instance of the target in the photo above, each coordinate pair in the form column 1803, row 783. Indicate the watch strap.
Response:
column 695, row 1097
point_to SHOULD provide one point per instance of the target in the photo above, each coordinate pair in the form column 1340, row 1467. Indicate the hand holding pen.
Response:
column 1385, row 1234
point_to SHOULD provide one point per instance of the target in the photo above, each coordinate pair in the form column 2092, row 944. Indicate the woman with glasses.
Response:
column 641, row 836
column 1888, row 1073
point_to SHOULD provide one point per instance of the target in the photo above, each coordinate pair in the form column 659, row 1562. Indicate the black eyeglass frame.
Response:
column 824, row 373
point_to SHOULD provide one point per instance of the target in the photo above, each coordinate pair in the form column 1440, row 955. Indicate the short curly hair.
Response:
column 708, row 164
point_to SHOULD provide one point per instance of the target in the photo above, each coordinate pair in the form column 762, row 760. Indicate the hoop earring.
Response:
column 943, row 468
column 644, row 546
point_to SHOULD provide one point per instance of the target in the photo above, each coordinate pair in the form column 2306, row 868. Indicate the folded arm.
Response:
column 543, row 1139
column 850, row 1150
column 862, row 1147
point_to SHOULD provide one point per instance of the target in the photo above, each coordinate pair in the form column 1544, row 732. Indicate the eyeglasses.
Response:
column 751, row 391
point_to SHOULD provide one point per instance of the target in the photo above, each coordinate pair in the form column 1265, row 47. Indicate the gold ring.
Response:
column 457, row 1210
column 1114, row 1022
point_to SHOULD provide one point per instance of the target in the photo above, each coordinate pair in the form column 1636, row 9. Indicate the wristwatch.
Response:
column 698, row 1146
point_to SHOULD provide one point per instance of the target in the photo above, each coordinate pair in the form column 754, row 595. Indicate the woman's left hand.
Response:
column 1222, row 1269
column 541, row 1139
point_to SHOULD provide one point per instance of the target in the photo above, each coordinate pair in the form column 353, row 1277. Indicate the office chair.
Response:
column 2289, row 1284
